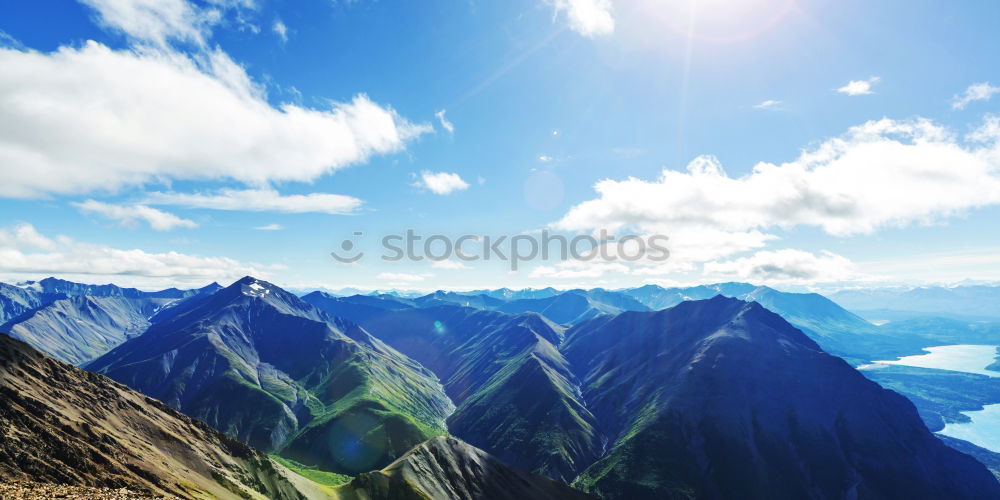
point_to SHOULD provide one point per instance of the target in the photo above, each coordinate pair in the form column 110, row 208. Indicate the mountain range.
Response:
column 718, row 391
column 971, row 301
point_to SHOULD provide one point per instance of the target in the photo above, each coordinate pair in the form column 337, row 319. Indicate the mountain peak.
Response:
column 254, row 287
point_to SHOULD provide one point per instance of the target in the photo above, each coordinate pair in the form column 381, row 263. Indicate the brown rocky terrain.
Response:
column 62, row 425
column 28, row 490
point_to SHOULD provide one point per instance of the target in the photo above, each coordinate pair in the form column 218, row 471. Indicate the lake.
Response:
column 984, row 429
column 959, row 358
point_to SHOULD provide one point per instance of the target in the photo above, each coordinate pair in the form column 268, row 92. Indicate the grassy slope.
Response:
column 313, row 474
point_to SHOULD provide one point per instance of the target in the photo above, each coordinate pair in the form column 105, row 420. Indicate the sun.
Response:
column 720, row 21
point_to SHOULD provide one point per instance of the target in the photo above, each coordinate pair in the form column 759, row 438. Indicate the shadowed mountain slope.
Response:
column 724, row 399
column 516, row 396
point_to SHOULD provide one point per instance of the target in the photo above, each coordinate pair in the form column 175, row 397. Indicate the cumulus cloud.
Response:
column 787, row 266
column 445, row 124
column 259, row 200
column 441, row 182
column 132, row 215
column 89, row 118
column 25, row 236
column 859, row 87
column 976, row 92
column 25, row 253
column 590, row 18
column 270, row 227
column 879, row 174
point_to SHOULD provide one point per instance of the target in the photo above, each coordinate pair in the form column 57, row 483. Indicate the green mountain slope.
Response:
column 516, row 397
column 270, row 370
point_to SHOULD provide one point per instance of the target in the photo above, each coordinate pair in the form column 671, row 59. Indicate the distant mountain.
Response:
column 446, row 468
column 574, row 306
column 15, row 300
column 508, row 294
column 836, row 329
column 67, row 426
column 69, row 288
column 724, row 399
column 273, row 371
column 356, row 308
column 479, row 301
column 975, row 301
column 76, row 323
column 80, row 328
column 516, row 397
column 656, row 297
column 561, row 307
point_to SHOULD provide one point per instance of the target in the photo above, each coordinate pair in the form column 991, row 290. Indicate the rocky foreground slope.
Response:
column 64, row 425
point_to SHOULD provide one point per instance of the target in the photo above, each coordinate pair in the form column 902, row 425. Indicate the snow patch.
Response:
column 30, row 285
column 256, row 290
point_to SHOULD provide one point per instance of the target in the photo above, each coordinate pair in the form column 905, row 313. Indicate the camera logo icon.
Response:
column 347, row 254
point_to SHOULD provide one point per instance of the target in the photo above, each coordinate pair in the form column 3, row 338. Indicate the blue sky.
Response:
column 806, row 143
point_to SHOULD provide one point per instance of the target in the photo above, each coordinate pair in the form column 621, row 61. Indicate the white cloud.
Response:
column 880, row 174
column 280, row 29
column 770, row 104
column 575, row 269
column 156, row 21
column 402, row 277
column 132, row 215
column 859, row 87
column 6, row 40
column 787, row 266
column 25, row 236
column 259, row 200
column 92, row 118
column 26, row 254
column 448, row 264
column 590, row 18
column 270, row 227
column 544, row 158
column 976, row 92
column 447, row 125
column 441, row 182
